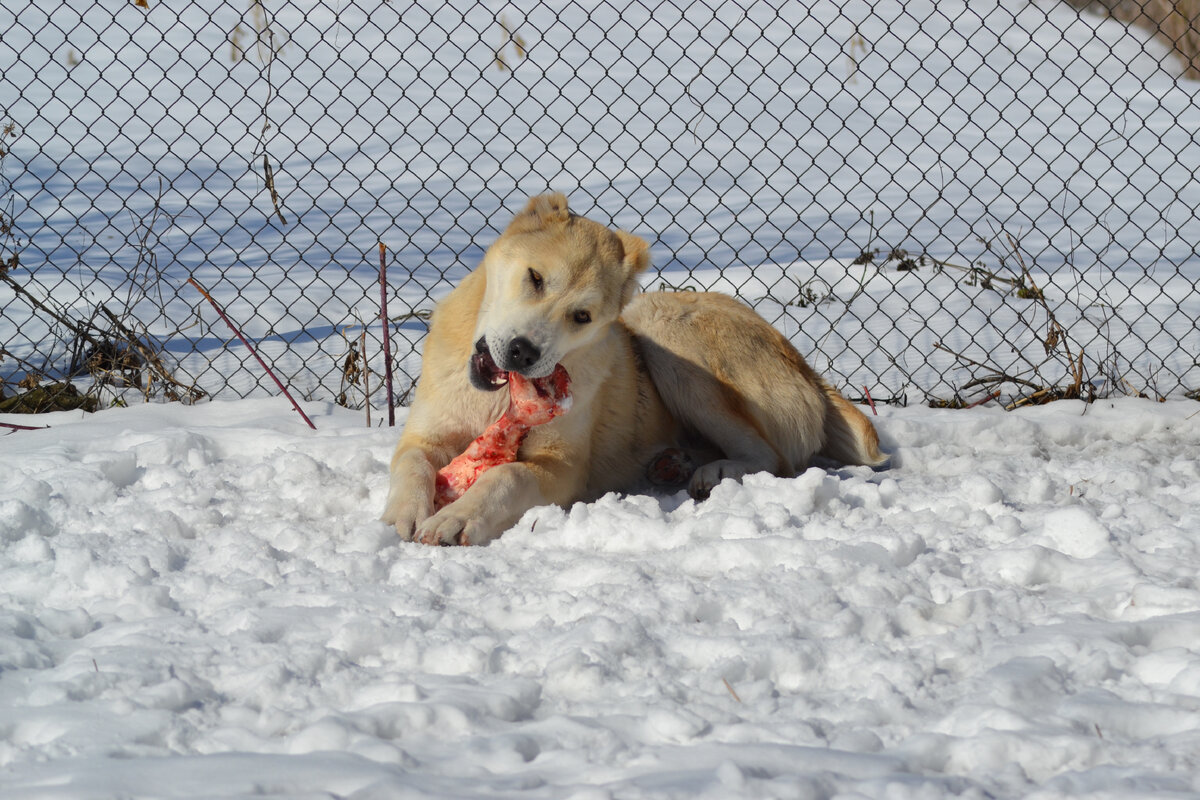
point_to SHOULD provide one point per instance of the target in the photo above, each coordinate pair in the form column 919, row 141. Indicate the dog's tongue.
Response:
column 536, row 401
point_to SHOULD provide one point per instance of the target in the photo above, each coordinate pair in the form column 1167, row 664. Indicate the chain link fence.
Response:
column 936, row 201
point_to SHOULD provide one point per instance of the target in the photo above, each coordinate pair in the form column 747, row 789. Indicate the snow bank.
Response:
column 199, row 602
column 754, row 142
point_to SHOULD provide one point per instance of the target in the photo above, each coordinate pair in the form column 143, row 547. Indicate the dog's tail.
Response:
column 849, row 436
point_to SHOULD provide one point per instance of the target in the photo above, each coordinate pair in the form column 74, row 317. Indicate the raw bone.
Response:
column 532, row 402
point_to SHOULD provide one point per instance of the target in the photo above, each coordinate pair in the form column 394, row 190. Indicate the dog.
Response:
column 661, row 382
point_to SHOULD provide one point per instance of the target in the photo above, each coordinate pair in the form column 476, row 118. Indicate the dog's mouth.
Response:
column 485, row 374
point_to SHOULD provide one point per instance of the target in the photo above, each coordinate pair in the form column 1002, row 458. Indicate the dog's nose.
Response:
column 522, row 353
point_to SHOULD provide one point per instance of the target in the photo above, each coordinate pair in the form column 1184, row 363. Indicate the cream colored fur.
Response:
column 687, row 370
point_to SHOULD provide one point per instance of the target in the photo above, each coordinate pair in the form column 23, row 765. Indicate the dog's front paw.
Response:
column 406, row 511
column 452, row 526
column 410, row 493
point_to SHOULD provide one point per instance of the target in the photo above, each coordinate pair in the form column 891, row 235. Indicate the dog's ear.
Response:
column 636, row 260
column 540, row 212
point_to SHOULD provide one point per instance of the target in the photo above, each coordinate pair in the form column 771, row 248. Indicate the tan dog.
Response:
column 659, row 383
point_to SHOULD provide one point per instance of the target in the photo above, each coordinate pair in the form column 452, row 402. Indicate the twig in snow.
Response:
column 253, row 352
column 731, row 691
column 387, row 339
column 16, row 427
column 984, row 399
column 870, row 402
column 366, row 375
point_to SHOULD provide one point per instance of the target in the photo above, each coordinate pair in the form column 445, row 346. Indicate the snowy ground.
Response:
column 199, row 602
column 771, row 141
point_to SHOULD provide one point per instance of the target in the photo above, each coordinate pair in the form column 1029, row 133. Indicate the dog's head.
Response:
column 555, row 282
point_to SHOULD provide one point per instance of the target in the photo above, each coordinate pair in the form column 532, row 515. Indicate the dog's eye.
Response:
column 535, row 278
column 581, row 317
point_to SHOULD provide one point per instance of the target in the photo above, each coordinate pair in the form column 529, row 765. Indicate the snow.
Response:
column 200, row 602
column 737, row 137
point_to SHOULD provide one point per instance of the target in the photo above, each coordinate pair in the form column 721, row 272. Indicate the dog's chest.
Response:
column 476, row 410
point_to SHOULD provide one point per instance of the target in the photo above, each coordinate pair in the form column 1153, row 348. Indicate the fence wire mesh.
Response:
column 934, row 200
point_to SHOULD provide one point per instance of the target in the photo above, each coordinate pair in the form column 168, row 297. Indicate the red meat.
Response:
column 531, row 402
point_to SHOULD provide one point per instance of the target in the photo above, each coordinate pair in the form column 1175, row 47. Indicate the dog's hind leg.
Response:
column 733, row 380
column 736, row 434
column 731, row 442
